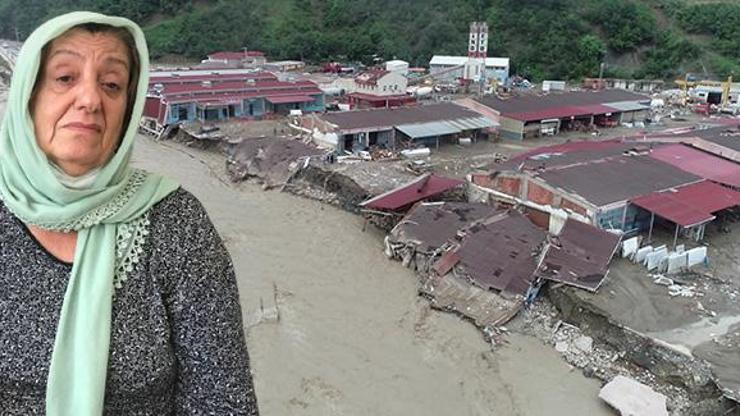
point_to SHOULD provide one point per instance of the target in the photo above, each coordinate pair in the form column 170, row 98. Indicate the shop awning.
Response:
column 689, row 205
column 287, row 99
column 431, row 129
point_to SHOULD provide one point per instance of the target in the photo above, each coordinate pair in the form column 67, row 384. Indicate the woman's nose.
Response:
column 88, row 95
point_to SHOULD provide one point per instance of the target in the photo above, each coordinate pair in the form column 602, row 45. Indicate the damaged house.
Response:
column 486, row 263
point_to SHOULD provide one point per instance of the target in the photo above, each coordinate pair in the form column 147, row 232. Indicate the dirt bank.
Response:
column 354, row 338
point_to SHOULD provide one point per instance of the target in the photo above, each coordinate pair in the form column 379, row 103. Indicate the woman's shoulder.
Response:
column 179, row 218
column 180, row 206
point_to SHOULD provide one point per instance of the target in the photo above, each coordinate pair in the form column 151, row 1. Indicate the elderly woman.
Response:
column 117, row 295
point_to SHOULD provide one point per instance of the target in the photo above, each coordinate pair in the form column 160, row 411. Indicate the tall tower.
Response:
column 475, row 68
column 478, row 44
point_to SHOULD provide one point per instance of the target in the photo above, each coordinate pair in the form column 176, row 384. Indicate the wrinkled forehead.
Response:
column 79, row 45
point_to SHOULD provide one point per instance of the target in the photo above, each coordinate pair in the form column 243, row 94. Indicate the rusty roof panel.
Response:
column 502, row 253
column 579, row 256
column 618, row 179
column 430, row 226
column 387, row 117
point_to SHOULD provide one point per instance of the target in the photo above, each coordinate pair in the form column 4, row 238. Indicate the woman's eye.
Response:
column 112, row 86
column 64, row 79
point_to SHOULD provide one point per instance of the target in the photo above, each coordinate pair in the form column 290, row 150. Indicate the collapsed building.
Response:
column 273, row 160
column 485, row 263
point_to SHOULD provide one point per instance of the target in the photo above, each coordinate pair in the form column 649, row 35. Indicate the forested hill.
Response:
column 557, row 39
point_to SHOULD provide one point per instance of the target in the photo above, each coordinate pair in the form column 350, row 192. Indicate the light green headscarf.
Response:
column 108, row 217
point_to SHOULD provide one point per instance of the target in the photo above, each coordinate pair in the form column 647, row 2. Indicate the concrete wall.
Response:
column 611, row 218
column 511, row 186
column 573, row 206
column 539, row 194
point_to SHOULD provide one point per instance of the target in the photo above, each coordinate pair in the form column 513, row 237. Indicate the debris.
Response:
column 416, row 153
column 696, row 256
column 683, row 291
column 584, row 343
column 641, row 254
column 561, row 347
column 663, row 281
column 631, row 398
column 630, row 247
column 676, row 262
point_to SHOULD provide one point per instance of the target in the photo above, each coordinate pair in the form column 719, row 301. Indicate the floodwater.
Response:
column 353, row 336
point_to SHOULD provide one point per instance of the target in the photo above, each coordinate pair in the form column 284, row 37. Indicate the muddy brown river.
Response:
column 353, row 337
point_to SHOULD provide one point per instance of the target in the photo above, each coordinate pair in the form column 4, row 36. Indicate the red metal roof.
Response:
column 374, row 98
column 424, row 187
column 184, row 79
column 284, row 99
column 569, row 147
column 699, row 163
column 231, row 86
column 210, row 98
column 561, row 112
column 691, row 204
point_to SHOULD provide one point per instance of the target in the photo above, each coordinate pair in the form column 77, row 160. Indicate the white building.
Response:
column 497, row 68
column 236, row 59
column 397, row 65
column 380, row 82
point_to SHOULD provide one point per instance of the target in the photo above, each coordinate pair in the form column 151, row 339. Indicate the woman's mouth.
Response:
column 84, row 127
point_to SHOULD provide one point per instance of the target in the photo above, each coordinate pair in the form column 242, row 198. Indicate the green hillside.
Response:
column 563, row 39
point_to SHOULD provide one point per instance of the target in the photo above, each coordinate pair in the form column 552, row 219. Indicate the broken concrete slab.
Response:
column 696, row 256
column 584, row 343
column 676, row 262
column 630, row 247
column 641, row 254
column 632, row 398
column 655, row 259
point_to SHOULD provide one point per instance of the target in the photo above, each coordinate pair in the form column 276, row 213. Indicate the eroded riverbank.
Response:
column 354, row 338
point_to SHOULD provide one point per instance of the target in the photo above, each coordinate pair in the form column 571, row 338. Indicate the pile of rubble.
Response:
column 273, row 160
column 542, row 320
column 348, row 184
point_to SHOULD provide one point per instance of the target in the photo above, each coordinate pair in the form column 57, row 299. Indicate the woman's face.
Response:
column 80, row 100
